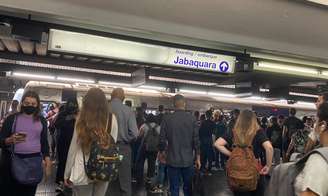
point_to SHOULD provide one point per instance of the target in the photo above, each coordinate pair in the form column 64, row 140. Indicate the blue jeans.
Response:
column 162, row 172
column 175, row 174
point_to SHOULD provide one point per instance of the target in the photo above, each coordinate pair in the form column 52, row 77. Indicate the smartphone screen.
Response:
column 21, row 135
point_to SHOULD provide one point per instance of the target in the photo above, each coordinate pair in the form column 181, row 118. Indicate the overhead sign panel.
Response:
column 85, row 44
column 201, row 60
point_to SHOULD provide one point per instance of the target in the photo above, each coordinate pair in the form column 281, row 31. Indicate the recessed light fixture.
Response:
column 75, row 80
column 38, row 76
column 303, row 94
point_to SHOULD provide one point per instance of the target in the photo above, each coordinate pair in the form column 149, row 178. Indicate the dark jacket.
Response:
column 6, row 132
column 179, row 133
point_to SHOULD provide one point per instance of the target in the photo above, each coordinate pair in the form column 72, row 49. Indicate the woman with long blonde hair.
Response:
column 245, row 132
column 95, row 122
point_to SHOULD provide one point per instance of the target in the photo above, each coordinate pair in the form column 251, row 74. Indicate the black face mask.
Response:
column 28, row 109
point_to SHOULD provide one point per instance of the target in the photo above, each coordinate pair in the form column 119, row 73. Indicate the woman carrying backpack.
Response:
column 247, row 142
column 95, row 135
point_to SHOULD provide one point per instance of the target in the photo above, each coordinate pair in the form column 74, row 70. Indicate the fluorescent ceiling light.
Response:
column 193, row 92
column 160, row 88
column 141, row 90
column 215, row 94
column 231, row 86
column 324, row 73
column 221, row 94
column 61, row 67
column 115, row 84
column 263, row 90
column 289, row 68
column 28, row 75
column 167, row 79
column 305, row 103
column 321, row 2
column 303, row 94
column 255, row 98
column 75, row 80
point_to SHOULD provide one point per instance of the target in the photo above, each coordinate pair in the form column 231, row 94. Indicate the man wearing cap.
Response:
column 179, row 136
column 127, row 132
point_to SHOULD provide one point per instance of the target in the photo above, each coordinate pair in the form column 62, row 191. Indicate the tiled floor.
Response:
column 215, row 186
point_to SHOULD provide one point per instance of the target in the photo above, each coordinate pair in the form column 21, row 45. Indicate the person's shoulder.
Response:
column 125, row 109
column 260, row 133
column 316, row 160
column 10, row 117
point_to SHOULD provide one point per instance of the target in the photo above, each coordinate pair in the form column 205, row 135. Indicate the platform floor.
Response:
column 215, row 186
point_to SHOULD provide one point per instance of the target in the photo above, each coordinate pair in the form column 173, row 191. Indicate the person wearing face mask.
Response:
column 23, row 138
column 64, row 124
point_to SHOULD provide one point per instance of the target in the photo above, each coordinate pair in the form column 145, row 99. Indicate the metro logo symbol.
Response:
column 224, row 66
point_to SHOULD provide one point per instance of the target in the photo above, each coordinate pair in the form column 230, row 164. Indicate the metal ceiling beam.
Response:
column 11, row 45
column 41, row 49
column 2, row 46
column 28, row 47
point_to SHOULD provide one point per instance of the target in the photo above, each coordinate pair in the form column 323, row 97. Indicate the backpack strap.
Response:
column 323, row 151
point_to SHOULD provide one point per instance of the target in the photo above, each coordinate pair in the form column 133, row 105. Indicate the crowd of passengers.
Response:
column 177, row 145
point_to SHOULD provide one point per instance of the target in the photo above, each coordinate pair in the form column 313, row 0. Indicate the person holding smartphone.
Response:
column 23, row 134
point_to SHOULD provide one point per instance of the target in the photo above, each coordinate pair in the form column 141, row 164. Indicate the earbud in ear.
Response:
column 323, row 127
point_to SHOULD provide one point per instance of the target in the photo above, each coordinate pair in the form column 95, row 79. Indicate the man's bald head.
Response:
column 179, row 102
column 118, row 93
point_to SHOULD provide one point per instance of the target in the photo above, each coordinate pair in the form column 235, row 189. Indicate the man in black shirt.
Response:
column 291, row 126
column 206, row 132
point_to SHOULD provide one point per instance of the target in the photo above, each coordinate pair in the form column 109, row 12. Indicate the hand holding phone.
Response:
column 20, row 136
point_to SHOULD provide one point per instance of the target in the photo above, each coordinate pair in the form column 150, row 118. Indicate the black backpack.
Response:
column 103, row 163
column 152, row 139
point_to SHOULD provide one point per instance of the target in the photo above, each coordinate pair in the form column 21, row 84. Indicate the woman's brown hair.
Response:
column 246, row 127
column 32, row 94
column 92, row 121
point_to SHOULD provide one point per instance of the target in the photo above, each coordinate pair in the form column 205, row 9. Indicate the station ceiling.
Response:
column 294, row 27
column 26, row 55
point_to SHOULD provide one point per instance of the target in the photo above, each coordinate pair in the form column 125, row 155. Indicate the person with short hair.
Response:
column 291, row 126
column 179, row 135
column 149, row 132
column 64, row 124
column 274, row 133
column 206, row 132
column 220, row 131
column 127, row 133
